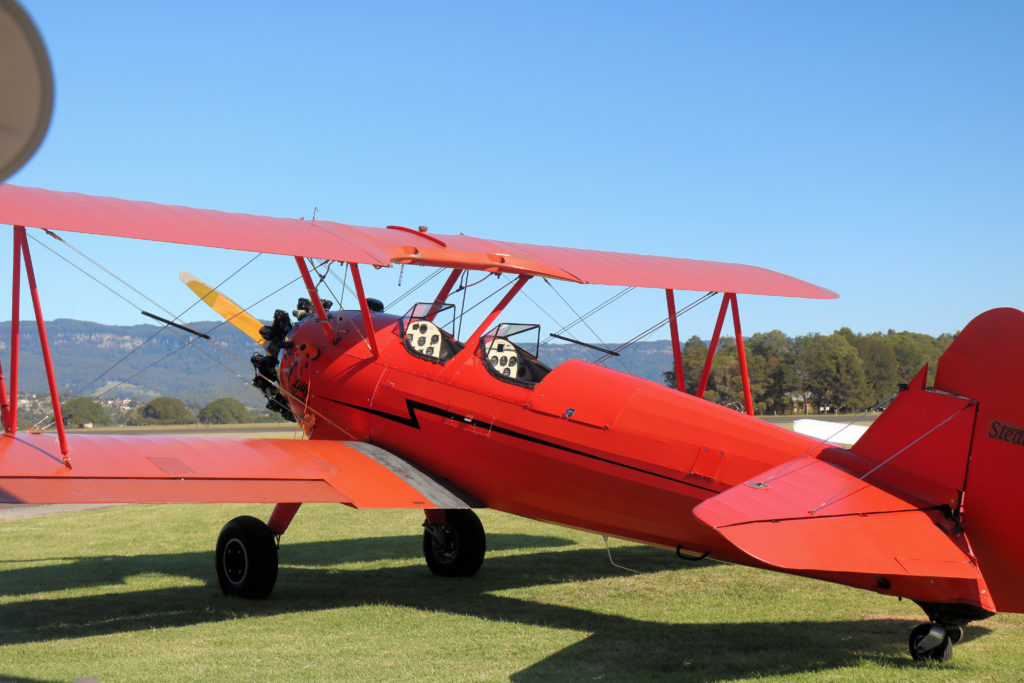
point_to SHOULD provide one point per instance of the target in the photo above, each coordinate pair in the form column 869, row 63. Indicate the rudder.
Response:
column 986, row 363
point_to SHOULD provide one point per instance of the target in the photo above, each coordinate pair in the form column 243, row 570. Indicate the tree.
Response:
column 881, row 369
column 694, row 352
column 83, row 410
column 224, row 411
column 831, row 372
column 167, row 411
column 778, row 380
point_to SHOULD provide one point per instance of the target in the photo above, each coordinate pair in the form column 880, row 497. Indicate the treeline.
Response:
column 84, row 410
column 839, row 372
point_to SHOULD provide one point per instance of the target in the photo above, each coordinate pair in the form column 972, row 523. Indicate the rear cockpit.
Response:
column 514, row 361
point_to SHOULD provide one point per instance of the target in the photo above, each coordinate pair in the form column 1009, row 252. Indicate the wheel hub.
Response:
column 236, row 561
column 445, row 544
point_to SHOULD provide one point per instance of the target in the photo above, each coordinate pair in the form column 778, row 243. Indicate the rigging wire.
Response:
column 877, row 467
column 115, row 292
column 657, row 326
column 316, row 269
column 121, row 280
column 578, row 316
column 821, row 442
column 557, row 322
column 358, row 331
column 190, row 341
column 425, row 280
column 607, row 302
column 500, row 289
column 464, row 288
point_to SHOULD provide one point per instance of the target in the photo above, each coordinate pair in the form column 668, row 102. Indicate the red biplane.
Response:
column 399, row 413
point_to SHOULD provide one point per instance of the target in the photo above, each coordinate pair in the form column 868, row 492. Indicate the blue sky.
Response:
column 874, row 148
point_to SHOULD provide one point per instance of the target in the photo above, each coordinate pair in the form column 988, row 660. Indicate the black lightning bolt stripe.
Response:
column 412, row 420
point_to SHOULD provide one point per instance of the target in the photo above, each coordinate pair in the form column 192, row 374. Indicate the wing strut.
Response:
column 321, row 314
column 21, row 251
column 729, row 297
column 442, row 296
column 473, row 342
column 364, row 308
column 677, row 353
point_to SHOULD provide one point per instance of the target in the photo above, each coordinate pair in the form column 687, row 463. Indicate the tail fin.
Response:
column 986, row 363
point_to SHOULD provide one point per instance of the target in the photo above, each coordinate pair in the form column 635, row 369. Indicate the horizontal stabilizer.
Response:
column 173, row 469
column 811, row 517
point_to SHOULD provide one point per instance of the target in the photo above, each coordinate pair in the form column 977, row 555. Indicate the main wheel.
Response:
column 930, row 641
column 455, row 548
column 246, row 558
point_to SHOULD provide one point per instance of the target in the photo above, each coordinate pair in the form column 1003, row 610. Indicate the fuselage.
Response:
column 585, row 446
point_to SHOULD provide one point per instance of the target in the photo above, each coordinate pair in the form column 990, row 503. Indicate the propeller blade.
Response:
column 231, row 311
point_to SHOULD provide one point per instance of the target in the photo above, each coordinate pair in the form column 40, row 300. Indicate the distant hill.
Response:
column 143, row 360
column 149, row 361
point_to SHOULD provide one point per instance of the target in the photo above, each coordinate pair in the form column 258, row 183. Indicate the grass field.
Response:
column 129, row 593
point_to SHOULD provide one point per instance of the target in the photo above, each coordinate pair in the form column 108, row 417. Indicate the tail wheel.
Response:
column 246, row 558
column 456, row 547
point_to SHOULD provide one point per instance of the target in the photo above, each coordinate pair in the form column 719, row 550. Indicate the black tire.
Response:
column 246, row 558
column 940, row 653
column 455, row 548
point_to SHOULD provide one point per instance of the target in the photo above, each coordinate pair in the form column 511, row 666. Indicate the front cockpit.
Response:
column 424, row 333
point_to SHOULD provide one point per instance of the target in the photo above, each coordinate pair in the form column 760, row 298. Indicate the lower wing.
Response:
column 175, row 469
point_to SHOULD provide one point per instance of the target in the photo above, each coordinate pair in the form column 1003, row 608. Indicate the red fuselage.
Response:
column 586, row 446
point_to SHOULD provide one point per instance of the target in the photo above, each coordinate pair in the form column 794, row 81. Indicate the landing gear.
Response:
column 246, row 558
column 934, row 641
column 454, row 546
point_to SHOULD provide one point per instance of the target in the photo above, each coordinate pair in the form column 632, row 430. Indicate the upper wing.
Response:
column 172, row 469
column 813, row 517
column 32, row 207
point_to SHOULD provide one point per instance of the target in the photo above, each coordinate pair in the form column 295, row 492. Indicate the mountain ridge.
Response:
column 149, row 360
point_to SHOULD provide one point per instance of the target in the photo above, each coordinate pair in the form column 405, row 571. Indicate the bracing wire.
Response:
column 411, row 290
column 500, row 289
column 189, row 341
column 821, row 442
column 832, row 499
column 579, row 318
column 557, row 322
column 123, row 298
column 657, row 326
column 607, row 302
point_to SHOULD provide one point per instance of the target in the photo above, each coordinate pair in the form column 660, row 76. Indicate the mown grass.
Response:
column 129, row 594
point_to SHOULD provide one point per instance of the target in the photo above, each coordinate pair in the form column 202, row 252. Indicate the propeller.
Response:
column 271, row 337
column 227, row 308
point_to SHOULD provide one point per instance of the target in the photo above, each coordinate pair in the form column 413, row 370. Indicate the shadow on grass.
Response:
column 617, row 647
column 105, row 570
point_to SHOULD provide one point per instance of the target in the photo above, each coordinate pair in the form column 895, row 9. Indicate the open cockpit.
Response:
column 508, row 350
